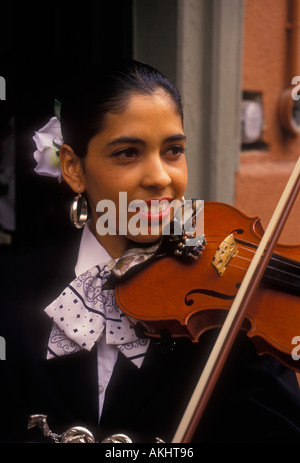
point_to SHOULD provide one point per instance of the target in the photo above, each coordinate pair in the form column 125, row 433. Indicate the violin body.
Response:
column 186, row 299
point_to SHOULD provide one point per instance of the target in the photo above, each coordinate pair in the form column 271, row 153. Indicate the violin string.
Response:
column 224, row 240
column 275, row 256
column 290, row 264
column 230, row 264
column 287, row 271
column 280, row 272
column 275, row 274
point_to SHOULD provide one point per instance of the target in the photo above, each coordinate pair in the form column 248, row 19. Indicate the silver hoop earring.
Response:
column 79, row 211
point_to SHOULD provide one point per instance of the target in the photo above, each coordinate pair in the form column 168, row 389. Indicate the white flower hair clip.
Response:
column 48, row 141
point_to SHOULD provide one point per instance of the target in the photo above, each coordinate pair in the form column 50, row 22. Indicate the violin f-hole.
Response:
column 207, row 292
column 239, row 231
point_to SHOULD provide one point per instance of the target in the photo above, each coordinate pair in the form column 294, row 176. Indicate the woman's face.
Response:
column 140, row 153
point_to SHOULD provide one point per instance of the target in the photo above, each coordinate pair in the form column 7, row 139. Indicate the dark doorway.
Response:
column 40, row 47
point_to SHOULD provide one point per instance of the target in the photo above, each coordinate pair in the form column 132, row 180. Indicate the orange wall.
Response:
column 262, row 174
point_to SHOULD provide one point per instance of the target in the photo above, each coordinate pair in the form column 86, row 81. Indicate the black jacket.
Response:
column 256, row 399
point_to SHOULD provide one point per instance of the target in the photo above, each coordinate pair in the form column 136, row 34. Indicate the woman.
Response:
column 123, row 132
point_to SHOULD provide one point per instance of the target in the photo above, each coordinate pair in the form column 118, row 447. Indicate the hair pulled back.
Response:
column 101, row 90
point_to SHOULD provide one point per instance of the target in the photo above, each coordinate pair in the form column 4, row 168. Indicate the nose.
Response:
column 156, row 174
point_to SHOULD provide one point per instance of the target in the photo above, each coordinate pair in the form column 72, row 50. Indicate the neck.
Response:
column 115, row 245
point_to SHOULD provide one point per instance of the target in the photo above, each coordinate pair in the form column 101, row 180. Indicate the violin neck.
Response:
column 284, row 273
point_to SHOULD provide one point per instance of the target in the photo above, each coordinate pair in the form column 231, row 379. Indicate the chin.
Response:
column 147, row 236
column 145, row 239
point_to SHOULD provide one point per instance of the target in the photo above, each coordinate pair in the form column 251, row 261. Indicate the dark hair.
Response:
column 104, row 90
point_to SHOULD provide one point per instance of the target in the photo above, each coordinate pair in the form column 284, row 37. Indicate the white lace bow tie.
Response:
column 85, row 311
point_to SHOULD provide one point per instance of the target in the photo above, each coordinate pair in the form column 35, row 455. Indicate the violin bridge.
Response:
column 226, row 251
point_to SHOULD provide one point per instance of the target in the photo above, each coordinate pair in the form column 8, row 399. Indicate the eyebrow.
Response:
column 135, row 140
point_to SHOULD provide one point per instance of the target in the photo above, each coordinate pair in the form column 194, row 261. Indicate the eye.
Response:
column 126, row 153
column 174, row 151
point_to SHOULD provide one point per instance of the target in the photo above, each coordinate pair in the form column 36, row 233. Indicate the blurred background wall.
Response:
column 271, row 58
column 233, row 61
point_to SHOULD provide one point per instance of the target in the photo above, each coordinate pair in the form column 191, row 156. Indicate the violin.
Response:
column 225, row 286
column 185, row 299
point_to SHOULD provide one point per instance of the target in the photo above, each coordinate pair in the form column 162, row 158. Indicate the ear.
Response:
column 71, row 168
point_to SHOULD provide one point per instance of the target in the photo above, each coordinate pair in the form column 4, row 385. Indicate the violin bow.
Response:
column 237, row 312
